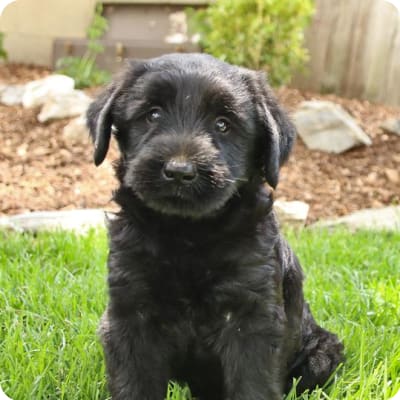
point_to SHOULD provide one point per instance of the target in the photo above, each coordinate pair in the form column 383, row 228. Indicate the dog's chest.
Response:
column 199, row 281
column 193, row 274
column 188, row 279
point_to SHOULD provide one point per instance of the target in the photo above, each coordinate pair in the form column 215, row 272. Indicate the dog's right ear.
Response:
column 99, row 115
column 99, row 121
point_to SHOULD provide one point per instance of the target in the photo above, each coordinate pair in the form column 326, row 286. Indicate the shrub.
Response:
column 3, row 53
column 84, row 69
column 258, row 34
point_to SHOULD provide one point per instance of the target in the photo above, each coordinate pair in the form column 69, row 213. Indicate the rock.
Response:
column 393, row 175
column 291, row 213
column 37, row 92
column 76, row 220
column 387, row 218
column 392, row 126
column 326, row 126
column 64, row 105
column 76, row 131
column 11, row 95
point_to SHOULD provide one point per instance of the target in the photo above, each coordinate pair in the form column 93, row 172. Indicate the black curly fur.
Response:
column 203, row 288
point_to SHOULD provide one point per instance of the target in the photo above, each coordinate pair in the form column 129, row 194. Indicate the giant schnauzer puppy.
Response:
column 203, row 288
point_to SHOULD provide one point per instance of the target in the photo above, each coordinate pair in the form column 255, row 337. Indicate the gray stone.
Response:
column 291, row 213
column 387, row 219
column 392, row 126
column 65, row 105
column 76, row 131
column 326, row 126
column 37, row 92
column 75, row 220
column 11, row 95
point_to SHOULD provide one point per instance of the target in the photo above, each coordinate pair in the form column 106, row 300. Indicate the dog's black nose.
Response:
column 182, row 171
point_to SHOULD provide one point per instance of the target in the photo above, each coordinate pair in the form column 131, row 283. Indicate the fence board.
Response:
column 355, row 50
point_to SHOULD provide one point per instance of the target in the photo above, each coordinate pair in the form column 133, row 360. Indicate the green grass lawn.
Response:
column 52, row 293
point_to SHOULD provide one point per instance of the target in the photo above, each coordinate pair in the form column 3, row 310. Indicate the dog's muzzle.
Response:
column 181, row 175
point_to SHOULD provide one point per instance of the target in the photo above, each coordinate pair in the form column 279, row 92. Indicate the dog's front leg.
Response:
column 252, row 367
column 136, row 359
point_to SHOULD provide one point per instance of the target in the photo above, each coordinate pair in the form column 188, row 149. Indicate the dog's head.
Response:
column 192, row 131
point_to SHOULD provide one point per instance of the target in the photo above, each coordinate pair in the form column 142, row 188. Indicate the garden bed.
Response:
column 40, row 170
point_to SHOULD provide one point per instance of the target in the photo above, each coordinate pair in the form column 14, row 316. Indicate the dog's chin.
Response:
column 178, row 205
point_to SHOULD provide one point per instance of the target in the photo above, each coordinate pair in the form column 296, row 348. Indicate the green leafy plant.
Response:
column 258, row 34
column 84, row 69
column 3, row 52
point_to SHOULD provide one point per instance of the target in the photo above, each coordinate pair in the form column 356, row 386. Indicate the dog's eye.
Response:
column 154, row 114
column 222, row 125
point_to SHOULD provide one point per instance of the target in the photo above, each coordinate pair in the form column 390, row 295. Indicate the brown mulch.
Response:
column 364, row 177
column 13, row 74
column 39, row 170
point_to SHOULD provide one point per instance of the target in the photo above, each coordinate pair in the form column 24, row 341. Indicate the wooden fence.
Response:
column 355, row 50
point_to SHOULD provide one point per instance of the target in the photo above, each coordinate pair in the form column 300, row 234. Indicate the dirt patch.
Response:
column 39, row 170
column 364, row 177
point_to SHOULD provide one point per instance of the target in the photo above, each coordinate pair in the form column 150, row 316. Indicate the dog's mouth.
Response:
column 185, row 194
column 200, row 198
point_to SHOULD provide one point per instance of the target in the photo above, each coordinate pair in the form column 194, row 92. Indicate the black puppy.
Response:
column 203, row 289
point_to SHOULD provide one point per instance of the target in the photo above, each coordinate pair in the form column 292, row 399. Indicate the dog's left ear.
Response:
column 278, row 132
